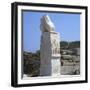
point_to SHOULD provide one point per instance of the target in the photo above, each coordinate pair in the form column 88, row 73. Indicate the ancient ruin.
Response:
column 49, row 48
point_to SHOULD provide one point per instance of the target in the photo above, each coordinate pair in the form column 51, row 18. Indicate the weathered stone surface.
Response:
column 49, row 51
column 46, row 24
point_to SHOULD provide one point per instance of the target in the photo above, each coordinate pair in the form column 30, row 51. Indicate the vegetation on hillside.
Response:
column 69, row 45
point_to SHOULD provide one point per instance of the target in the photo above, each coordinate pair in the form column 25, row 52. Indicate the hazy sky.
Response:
column 68, row 25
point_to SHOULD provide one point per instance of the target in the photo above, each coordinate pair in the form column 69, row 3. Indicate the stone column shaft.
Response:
column 50, row 54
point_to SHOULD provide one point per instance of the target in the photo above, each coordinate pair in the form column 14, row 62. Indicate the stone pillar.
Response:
column 50, row 54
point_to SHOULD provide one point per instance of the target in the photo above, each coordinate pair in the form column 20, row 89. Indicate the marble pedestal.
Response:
column 50, row 54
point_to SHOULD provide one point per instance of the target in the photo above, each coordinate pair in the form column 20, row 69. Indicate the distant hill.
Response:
column 69, row 45
column 64, row 45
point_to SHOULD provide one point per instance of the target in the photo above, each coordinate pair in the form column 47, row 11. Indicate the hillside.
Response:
column 68, row 52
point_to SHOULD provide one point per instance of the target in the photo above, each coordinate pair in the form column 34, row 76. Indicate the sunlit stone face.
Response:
column 46, row 24
column 49, row 48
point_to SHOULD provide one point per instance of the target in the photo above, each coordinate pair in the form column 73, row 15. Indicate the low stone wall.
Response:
column 70, row 70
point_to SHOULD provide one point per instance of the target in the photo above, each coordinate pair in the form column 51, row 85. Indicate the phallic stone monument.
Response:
column 49, row 49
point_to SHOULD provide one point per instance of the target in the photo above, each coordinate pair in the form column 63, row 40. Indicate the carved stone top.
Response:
column 46, row 24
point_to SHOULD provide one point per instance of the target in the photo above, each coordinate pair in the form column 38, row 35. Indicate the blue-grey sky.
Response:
column 68, row 25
